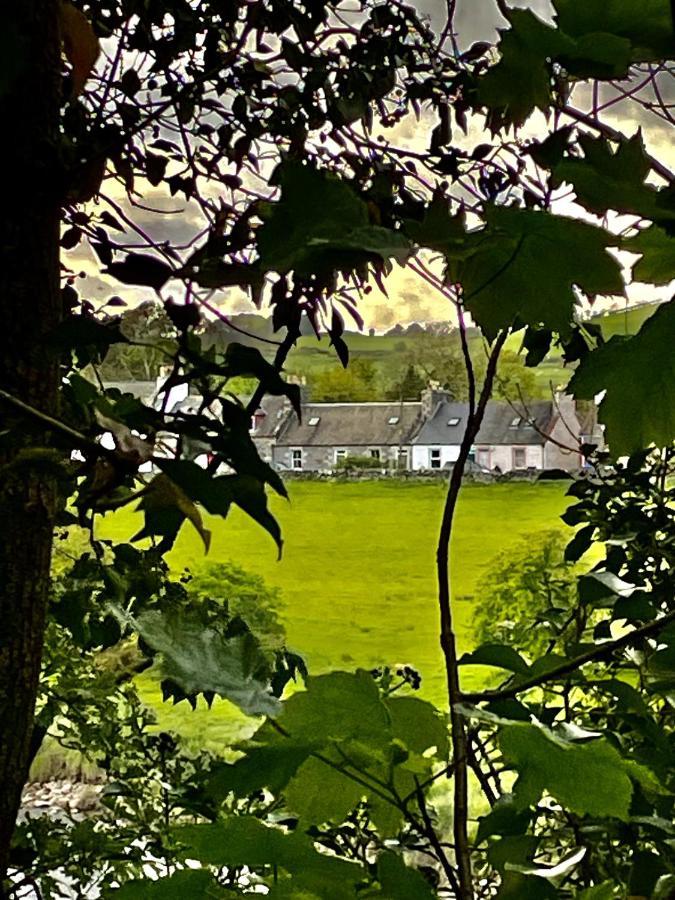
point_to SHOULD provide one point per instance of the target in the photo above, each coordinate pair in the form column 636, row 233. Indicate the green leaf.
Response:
column 522, row 79
column 249, row 362
column 249, row 494
column 418, row 725
column 340, row 707
column 197, row 884
column 648, row 25
column 520, row 82
column 587, row 778
column 139, row 268
column 320, row 224
column 636, row 410
column 269, row 767
column 246, row 841
column 604, row 891
column 318, row 793
column 400, row 882
column 203, row 658
column 166, row 507
column 501, row 656
column 515, row 886
column 505, row 818
column 524, row 264
column 657, row 249
column 613, row 179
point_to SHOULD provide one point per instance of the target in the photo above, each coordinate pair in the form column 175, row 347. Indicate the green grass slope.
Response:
column 357, row 573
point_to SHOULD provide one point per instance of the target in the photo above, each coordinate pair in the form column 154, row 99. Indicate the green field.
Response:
column 357, row 574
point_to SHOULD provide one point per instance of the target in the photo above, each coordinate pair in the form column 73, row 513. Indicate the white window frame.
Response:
column 297, row 456
column 393, row 420
column 514, row 452
column 454, row 421
column 314, row 421
column 435, row 458
column 402, row 457
column 481, row 454
column 340, row 454
column 375, row 453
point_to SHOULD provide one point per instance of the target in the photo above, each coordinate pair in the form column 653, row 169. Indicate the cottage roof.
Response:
column 271, row 415
column 501, row 424
column 145, row 391
column 352, row 425
column 504, row 425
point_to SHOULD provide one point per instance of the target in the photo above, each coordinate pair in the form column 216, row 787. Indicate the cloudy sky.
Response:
column 409, row 298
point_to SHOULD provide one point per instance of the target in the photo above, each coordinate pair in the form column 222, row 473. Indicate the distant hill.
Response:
column 394, row 346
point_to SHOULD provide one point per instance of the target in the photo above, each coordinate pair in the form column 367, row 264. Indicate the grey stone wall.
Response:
column 322, row 459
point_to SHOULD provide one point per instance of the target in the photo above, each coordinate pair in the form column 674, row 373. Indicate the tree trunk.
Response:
column 29, row 309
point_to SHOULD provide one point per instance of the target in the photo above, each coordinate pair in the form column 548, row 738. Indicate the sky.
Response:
column 408, row 298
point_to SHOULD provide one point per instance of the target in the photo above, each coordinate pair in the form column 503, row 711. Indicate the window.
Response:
column 375, row 453
column 403, row 457
column 515, row 423
column 314, row 420
column 296, row 459
column 519, row 458
column 483, row 457
column 393, row 420
column 340, row 454
column 435, row 458
column 453, row 421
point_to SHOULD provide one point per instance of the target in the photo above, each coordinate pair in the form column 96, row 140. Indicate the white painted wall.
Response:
column 421, row 455
column 502, row 456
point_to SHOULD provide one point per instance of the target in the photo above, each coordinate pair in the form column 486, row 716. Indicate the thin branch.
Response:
column 448, row 640
column 597, row 653
column 432, row 837
column 79, row 439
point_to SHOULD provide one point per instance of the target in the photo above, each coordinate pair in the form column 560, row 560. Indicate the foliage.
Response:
column 526, row 589
column 275, row 124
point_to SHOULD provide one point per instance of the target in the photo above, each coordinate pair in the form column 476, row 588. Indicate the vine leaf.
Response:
column 318, row 793
column 399, row 882
column 648, row 26
column 502, row 656
column 320, row 224
column 166, row 506
column 246, row 841
column 525, row 265
column 637, row 410
column 657, row 250
column 196, row 658
column 197, row 884
column 614, row 179
column 80, row 45
column 587, row 778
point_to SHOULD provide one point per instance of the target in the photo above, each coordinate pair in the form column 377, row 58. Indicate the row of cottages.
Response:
column 420, row 435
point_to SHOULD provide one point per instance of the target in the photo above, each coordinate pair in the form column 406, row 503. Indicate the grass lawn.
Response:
column 357, row 574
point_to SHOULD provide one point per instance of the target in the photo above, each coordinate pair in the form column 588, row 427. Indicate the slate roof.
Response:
column 498, row 424
column 270, row 416
column 142, row 390
column 352, row 425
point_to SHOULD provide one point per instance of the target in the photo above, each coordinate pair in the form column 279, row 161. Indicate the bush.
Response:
column 525, row 597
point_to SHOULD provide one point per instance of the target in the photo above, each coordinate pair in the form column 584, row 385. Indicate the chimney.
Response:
column 431, row 396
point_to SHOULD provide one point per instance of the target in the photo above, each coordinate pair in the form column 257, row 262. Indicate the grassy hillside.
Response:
column 357, row 575
column 391, row 352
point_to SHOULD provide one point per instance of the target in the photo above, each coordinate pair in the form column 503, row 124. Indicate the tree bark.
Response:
column 29, row 309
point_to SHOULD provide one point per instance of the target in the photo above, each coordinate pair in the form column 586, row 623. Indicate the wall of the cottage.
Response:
column 265, row 446
column 323, row 459
column 556, row 457
column 421, row 455
column 502, row 456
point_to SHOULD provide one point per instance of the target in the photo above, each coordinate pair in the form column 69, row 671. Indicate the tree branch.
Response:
column 448, row 640
column 597, row 653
